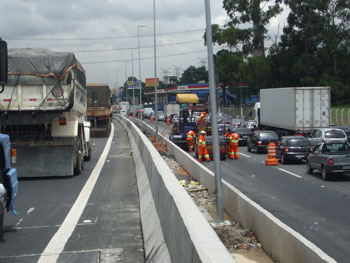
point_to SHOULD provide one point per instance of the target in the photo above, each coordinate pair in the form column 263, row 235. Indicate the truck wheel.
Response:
column 79, row 160
column 248, row 148
column 88, row 157
column 309, row 170
column 325, row 174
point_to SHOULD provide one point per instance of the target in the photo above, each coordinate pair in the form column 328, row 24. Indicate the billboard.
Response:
column 133, row 84
column 150, row 82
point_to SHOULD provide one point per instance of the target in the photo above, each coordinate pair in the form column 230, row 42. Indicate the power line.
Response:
column 100, row 38
column 128, row 48
column 145, row 58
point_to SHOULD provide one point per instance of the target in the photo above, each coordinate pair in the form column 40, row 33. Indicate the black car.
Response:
column 260, row 140
column 244, row 135
column 291, row 148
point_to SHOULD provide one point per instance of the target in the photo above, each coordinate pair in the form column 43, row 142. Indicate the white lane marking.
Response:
column 246, row 155
column 19, row 221
column 298, row 176
column 30, row 210
column 59, row 240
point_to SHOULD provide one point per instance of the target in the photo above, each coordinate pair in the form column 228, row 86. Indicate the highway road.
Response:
column 109, row 222
column 317, row 209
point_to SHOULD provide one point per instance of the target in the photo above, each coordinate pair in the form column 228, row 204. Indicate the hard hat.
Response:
column 203, row 132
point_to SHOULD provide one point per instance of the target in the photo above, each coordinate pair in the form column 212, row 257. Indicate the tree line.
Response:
column 312, row 50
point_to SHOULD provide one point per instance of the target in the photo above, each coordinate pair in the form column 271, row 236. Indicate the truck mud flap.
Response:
column 12, row 182
column 44, row 161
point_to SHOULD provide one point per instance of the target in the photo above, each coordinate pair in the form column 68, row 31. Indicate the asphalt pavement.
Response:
column 108, row 229
column 315, row 208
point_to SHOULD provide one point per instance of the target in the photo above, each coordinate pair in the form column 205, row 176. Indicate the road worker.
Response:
column 227, row 134
column 190, row 137
column 202, row 118
column 233, row 145
column 202, row 148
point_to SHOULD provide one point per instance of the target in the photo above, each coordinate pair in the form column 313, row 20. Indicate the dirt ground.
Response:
column 241, row 243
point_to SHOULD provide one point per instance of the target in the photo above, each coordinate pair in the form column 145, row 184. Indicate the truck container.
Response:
column 43, row 109
column 292, row 110
column 171, row 109
column 99, row 108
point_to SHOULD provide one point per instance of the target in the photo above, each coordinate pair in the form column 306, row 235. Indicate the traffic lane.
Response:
column 338, row 182
column 318, row 213
column 42, row 204
column 111, row 219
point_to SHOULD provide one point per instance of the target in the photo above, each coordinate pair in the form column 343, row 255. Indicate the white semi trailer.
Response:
column 43, row 110
column 293, row 110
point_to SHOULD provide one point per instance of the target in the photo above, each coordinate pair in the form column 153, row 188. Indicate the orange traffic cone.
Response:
column 168, row 121
column 151, row 118
column 271, row 154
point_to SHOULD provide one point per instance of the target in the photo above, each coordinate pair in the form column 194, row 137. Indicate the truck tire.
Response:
column 257, row 149
column 88, row 157
column 325, row 174
column 309, row 170
column 79, row 160
column 248, row 148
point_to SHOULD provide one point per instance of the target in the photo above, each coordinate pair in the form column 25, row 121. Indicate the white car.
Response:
column 123, row 112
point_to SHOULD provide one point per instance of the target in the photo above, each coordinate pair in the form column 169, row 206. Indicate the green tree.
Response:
column 258, row 13
column 314, row 49
column 194, row 75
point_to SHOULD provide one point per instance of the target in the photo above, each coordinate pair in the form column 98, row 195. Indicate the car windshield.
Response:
column 334, row 134
column 336, row 147
column 298, row 142
column 268, row 135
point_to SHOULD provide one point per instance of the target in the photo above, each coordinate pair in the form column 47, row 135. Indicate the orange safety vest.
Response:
column 227, row 134
column 234, row 138
column 201, row 141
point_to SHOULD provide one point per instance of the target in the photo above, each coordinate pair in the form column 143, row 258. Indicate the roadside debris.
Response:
column 241, row 243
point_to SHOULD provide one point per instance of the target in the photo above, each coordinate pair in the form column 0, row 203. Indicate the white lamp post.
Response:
column 138, row 44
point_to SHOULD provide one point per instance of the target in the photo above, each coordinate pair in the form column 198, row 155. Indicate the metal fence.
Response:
column 340, row 116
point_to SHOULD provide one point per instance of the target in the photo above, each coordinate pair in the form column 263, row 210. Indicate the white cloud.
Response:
column 79, row 20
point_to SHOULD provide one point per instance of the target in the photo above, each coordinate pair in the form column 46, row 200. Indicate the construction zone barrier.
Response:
column 271, row 154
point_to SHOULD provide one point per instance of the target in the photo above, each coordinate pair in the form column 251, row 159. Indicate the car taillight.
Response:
column 62, row 121
column 323, row 141
column 286, row 149
column 13, row 156
column 311, row 148
column 259, row 143
column 330, row 161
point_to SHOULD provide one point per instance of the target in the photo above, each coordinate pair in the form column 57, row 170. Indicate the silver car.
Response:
column 327, row 135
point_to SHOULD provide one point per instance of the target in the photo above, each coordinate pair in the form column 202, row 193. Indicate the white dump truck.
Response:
column 43, row 110
column 293, row 110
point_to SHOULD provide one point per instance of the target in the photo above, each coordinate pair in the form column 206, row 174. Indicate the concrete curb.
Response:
column 187, row 234
column 284, row 244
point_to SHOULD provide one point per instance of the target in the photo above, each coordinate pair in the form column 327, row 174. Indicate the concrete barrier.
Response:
column 281, row 241
column 174, row 228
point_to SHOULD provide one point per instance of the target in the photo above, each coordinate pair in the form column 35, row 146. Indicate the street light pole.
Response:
column 133, row 87
column 126, row 82
column 138, row 44
column 217, row 166
column 155, row 67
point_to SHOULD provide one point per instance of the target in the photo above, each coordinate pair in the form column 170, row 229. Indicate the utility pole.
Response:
column 217, row 166
column 155, row 67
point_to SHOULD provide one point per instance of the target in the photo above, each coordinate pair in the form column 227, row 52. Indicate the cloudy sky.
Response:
column 103, row 34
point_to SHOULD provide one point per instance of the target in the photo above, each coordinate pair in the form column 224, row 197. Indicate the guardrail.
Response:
column 281, row 241
column 174, row 229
